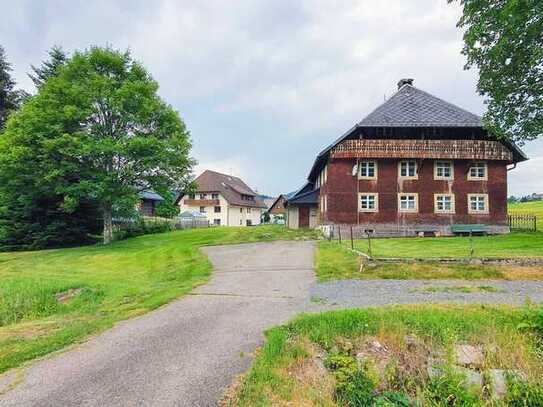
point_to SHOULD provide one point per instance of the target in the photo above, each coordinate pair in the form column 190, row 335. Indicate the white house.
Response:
column 225, row 200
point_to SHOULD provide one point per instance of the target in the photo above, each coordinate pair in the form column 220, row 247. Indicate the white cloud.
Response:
column 264, row 85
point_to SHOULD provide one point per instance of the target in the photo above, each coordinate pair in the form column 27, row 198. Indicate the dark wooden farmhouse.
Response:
column 416, row 164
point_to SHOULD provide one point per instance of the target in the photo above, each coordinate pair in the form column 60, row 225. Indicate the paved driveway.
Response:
column 187, row 352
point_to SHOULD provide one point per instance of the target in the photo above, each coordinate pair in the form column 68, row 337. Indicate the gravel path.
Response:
column 364, row 293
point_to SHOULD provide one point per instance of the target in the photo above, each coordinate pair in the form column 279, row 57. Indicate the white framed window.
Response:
column 217, row 222
column 214, row 196
column 408, row 169
column 248, row 210
column 443, row 170
column 478, row 171
column 368, row 170
column 368, row 202
column 408, row 202
column 202, row 209
column 478, row 203
column 240, row 210
column 444, row 203
column 203, row 196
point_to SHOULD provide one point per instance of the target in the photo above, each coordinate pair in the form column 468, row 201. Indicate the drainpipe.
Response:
column 513, row 167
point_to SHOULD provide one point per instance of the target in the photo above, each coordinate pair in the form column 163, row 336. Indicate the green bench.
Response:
column 473, row 229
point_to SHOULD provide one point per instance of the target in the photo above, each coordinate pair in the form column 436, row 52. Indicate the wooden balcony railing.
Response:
column 202, row 202
column 447, row 149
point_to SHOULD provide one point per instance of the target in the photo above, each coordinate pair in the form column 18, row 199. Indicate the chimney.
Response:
column 405, row 81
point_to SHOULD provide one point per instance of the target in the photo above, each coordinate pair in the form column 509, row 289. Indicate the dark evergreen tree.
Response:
column 49, row 68
column 9, row 97
column 33, row 216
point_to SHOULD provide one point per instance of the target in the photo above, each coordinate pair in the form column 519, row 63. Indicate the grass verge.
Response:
column 513, row 245
column 399, row 356
column 336, row 262
column 53, row 298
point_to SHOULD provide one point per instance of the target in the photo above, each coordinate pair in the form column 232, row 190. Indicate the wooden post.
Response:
column 352, row 242
column 369, row 244
column 471, row 250
column 339, row 234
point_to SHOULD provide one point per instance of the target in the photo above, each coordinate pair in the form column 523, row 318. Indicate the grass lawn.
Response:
column 336, row 262
column 399, row 356
column 50, row 299
column 528, row 208
column 498, row 246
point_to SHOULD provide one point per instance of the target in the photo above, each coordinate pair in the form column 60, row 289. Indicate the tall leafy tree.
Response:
column 98, row 130
column 9, row 96
column 503, row 39
column 50, row 67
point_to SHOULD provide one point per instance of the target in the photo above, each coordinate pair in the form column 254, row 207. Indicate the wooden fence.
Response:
column 523, row 222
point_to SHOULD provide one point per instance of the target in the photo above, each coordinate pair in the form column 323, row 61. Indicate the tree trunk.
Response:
column 108, row 225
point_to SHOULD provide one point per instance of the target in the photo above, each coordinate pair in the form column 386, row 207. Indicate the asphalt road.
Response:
column 186, row 353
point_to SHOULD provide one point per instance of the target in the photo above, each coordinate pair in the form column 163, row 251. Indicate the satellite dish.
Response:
column 355, row 170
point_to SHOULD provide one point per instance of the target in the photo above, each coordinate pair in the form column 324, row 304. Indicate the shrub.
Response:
column 355, row 387
column 139, row 226
column 448, row 390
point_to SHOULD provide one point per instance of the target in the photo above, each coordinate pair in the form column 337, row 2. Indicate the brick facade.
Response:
column 342, row 196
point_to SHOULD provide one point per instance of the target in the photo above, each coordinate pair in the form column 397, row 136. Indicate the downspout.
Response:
column 513, row 167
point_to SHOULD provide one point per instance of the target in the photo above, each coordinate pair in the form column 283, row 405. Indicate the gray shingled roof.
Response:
column 309, row 197
column 412, row 107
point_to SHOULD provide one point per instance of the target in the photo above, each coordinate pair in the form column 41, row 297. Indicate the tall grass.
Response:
column 117, row 281
column 273, row 379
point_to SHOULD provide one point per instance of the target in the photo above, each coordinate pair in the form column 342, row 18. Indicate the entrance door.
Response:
column 303, row 216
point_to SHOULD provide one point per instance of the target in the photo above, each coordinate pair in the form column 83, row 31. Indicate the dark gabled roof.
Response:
column 276, row 201
column 151, row 196
column 232, row 188
column 305, row 198
column 412, row 107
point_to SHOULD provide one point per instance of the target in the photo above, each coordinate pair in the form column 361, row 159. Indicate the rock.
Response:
column 433, row 371
column 472, row 378
column 66, row 296
column 498, row 384
column 468, row 355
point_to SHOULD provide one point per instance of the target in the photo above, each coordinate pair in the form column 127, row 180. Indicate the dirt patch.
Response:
column 66, row 296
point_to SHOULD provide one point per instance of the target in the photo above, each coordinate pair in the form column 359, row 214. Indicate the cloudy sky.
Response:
column 265, row 85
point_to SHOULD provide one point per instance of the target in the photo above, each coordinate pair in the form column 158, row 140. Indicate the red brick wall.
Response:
column 342, row 200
